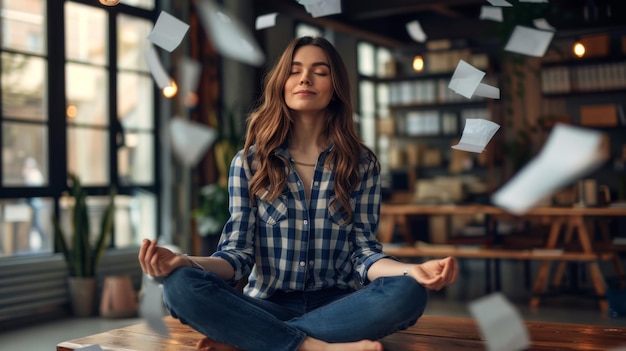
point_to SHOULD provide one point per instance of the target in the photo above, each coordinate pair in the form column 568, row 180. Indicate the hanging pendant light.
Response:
column 109, row 2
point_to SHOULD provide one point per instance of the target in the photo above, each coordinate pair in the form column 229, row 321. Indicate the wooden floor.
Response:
column 430, row 333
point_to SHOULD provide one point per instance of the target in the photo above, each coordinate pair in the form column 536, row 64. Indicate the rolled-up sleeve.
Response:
column 366, row 247
column 237, row 241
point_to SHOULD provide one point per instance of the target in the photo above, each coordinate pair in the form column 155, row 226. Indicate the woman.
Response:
column 304, row 203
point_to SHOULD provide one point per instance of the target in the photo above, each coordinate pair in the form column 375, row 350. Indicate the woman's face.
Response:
column 309, row 87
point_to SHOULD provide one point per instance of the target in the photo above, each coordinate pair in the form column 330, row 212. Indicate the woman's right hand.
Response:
column 158, row 261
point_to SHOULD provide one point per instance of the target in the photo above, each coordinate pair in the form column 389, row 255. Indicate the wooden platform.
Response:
column 430, row 333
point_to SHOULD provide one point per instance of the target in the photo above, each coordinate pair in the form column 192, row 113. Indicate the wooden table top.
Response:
column 430, row 333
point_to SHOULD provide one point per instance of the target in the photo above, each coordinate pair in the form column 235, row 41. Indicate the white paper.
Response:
column 168, row 31
column 414, row 28
column 529, row 41
column 476, row 135
column 488, row 91
column 160, row 75
column 499, row 323
column 569, row 153
column 465, row 79
column 190, row 71
column 501, row 3
column 542, row 23
column 94, row 347
column 321, row 8
column 493, row 13
column 265, row 21
column 151, row 308
column 190, row 140
column 231, row 37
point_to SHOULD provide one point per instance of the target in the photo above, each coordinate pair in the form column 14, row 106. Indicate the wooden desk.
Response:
column 430, row 333
column 572, row 219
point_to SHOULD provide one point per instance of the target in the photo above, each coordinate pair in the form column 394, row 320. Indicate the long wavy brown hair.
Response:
column 269, row 126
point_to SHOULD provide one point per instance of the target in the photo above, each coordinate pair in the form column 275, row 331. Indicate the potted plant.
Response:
column 82, row 257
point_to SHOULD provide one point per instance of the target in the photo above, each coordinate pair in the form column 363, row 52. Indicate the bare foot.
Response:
column 207, row 344
column 310, row 344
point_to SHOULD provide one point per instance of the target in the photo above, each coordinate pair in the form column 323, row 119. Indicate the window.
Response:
column 373, row 66
column 84, row 104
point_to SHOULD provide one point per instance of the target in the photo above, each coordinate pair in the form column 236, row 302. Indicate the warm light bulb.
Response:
column 170, row 90
column 71, row 111
column 579, row 49
column 418, row 63
column 109, row 2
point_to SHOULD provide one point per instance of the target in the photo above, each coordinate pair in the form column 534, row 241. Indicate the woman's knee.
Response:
column 184, row 284
column 408, row 297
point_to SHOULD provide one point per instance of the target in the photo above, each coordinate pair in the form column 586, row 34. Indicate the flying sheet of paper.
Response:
column 265, row 21
column 190, row 140
column 476, row 135
column 569, row 153
column 501, row 3
column 499, row 323
column 229, row 35
column 168, row 31
column 465, row 79
column 414, row 28
column 493, row 13
column 321, row 8
column 488, row 91
column 94, row 347
column 529, row 41
column 190, row 71
column 160, row 75
column 151, row 308
column 542, row 23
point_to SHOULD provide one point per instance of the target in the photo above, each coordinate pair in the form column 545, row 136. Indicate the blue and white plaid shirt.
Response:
column 289, row 246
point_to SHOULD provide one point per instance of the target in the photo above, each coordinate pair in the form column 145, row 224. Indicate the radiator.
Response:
column 32, row 286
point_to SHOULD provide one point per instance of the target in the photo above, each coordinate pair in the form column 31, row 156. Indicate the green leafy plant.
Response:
column 212, row 213
column 82, row 258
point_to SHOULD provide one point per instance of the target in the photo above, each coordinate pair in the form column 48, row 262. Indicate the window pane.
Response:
column 26, row 227
column 136, row 159
column 384, row 59
column 365, row 57
column 23, row 87
column 85, row 33
column 135, row 219
column 135, row 97
column 367, row 97
column 24, row 148
column 87, row 92
column 146, row 4
column 88, row 155
column 23, row 25
column 132, row 39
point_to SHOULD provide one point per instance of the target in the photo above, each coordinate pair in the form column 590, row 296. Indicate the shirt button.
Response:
column 311, row 263
column 302, row 263
column 306, row 222
column 316, row 184
column 298, row 183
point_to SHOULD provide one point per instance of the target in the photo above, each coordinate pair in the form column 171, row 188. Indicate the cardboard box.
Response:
column 599, row 115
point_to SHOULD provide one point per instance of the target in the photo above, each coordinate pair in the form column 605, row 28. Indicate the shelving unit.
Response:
column 591, row 93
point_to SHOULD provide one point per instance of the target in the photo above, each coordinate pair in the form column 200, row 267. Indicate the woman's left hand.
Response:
column 435, row 274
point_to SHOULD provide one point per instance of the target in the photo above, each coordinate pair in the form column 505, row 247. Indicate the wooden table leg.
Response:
column 544, row 269
column 597, row 278
column 560, row 268
column 617, row 262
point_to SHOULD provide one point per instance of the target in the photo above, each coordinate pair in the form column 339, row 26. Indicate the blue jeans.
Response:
column 211, row 306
